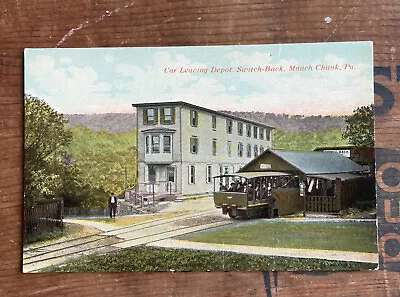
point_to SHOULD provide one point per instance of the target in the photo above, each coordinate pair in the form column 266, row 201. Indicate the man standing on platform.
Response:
column 112, row 205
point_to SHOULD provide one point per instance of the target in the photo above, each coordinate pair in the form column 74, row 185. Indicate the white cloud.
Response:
column 109, row 58
column 152, row 84
column 74, row 88
column 65, row 60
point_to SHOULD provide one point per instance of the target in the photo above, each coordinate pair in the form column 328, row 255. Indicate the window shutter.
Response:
column 145, row 116
column 155, row 116
column 162, row 115
column 172, row 115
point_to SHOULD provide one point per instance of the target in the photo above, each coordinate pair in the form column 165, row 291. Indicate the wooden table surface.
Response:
column 105, row 23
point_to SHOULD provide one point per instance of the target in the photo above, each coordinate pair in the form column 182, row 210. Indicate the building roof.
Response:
column 314, row 162
column 182, row 103
column 319, row 162
column 334, row 176
column 342, row 147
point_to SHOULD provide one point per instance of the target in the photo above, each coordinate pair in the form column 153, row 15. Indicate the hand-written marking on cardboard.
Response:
column 265, row 68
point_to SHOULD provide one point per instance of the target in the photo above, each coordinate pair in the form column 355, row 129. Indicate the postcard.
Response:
column 200, row 158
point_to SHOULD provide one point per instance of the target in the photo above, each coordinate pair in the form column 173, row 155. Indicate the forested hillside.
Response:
column 111, row 122
column 126, row 122
column 294, row 123
column 307, row 141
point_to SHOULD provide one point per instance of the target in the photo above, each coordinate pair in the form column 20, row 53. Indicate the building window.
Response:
column 194, row 145
column 240, row 128
column 226, row 179
column 214, row 122
column 152, row 173
column 155, row 144
column 167, row 143
column 249, row 151
column 209, row 174
column 171, row 174
column 255, row 132
column 261, row 149
column 248, row 130
column 255, row 151
column 240, row 149
column 261, row 133
column 192, row 174
column 229, row 125
column 167, row 115
column 150, row 116
column 268, row 135
column 229, row 148
column 194, row 118
column 147, row 142
column 214, row 147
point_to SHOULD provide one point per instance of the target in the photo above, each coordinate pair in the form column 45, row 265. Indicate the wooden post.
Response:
column 62, row 211
column 338, row 193
column 153, row 193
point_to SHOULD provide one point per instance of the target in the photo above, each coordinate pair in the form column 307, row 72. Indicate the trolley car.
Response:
column 248, row 195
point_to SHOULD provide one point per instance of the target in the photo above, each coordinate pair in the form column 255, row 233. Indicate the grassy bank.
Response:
column 69, row 231
column 360, row 237
column 157, row 259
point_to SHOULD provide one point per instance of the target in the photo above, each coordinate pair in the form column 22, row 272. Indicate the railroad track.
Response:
column 38, row 258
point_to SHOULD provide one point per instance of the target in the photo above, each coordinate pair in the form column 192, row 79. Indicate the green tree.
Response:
column 360, row 127
column 106, row 162
column 45, row 142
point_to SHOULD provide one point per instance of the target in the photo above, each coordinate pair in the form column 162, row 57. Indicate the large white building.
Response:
column 181, row 146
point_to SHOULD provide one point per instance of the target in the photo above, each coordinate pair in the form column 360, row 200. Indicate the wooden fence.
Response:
column 43, row 218
column 320, row 203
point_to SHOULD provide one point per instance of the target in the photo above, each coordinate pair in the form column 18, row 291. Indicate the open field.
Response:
column 359, row 237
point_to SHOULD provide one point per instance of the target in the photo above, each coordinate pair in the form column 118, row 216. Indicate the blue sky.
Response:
column 103, row 80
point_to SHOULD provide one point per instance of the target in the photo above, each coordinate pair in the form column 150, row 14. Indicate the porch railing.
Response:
column 159, row 187
column 143, row 193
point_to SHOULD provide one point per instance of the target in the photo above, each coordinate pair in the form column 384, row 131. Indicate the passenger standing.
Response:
column 222, row 188
column 232, row 188
column 250, row 192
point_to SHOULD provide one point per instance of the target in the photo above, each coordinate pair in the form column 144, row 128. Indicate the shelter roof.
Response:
column 334, row 176
column 313, row 162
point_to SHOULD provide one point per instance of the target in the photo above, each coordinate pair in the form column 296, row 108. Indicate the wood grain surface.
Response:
column 105, row 23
